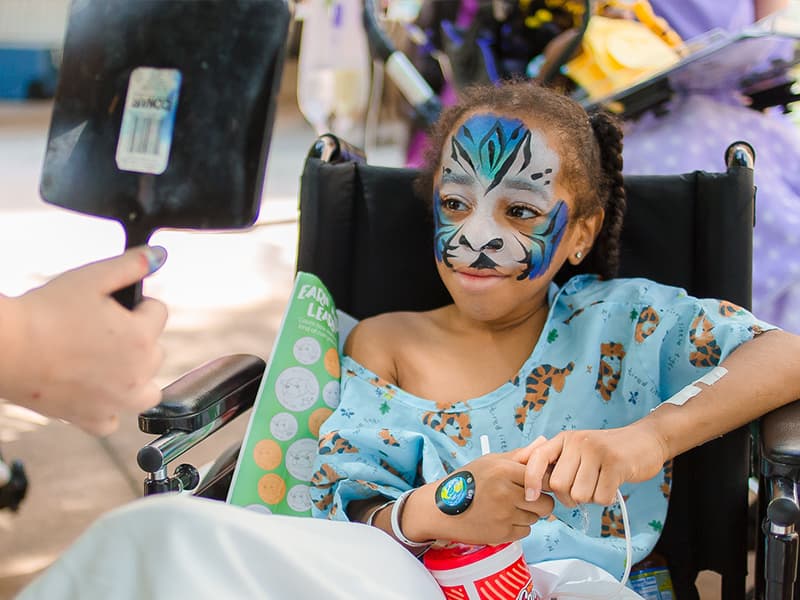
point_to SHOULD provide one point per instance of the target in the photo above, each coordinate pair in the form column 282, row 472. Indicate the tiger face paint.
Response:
column 495, row 204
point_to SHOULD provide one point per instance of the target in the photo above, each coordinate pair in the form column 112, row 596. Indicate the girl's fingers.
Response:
column 523, row 454
column 539, row 462
column 583, row 487
column 563, row 476
column 607, row 485
column 541, row 507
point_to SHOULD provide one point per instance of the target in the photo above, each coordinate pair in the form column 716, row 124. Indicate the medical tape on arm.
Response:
column 691, row 390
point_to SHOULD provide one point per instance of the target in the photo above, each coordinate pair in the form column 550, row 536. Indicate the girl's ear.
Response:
column 586, row 232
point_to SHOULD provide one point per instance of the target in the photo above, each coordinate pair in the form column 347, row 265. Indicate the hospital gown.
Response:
column 609, row 353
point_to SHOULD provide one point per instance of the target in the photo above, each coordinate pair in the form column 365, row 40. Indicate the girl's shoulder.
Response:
column 377, row 342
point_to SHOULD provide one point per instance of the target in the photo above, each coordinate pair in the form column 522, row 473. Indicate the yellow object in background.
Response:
column 615, row 53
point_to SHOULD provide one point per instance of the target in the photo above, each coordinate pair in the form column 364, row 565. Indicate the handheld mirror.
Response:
column 163, row 113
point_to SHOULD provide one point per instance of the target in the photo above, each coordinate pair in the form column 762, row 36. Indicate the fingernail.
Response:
column 530, row 494
column 156, row 257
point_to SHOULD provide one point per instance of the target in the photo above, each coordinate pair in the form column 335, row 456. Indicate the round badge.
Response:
column 455, row 494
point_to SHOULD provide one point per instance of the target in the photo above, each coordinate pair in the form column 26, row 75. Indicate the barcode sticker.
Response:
column 145, row 136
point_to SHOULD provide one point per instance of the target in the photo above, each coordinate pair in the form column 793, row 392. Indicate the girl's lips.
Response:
column 478, row 279
column 479, row 273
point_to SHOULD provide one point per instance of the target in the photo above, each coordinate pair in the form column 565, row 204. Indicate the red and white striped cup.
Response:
column 466, row 572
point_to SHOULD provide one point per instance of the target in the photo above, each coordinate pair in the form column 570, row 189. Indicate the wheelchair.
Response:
column 692, row 230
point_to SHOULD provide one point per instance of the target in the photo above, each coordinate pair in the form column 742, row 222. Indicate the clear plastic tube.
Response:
column 628, row 558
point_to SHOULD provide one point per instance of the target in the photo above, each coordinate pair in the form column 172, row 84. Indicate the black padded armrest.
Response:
column 780, row 441
column 200, row 396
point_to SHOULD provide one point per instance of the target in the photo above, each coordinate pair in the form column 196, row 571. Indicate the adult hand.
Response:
column 498, row 513
column 71, row 351
column 590, row 465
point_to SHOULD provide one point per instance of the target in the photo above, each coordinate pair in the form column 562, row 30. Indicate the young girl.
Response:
column 583, row 384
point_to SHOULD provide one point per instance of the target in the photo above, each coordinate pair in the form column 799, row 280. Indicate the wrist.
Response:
column 370, row 515
column 418, row 518
column 653, row 428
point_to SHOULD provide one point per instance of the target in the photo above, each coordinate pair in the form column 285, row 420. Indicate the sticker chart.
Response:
column 300, row 389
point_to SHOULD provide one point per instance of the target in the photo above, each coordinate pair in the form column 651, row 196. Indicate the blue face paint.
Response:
column 498, row 210
column 545, row 240
column 487, row 146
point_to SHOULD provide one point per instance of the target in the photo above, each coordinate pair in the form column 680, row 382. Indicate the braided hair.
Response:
column 603, row 259
column 590, row 148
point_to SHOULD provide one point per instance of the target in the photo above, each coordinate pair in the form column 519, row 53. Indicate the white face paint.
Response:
column 495, row 201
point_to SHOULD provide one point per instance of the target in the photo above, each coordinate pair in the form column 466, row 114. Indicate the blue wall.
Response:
column 26, row 73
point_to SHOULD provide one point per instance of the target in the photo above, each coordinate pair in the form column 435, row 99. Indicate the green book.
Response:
column 299, row 390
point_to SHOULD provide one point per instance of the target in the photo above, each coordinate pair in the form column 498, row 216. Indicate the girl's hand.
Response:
column 590, row 465
column 498, row 513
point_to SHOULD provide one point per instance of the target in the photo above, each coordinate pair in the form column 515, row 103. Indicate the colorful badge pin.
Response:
column 455, row 494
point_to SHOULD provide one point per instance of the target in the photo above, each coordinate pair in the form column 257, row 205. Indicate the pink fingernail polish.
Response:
column 530, row 494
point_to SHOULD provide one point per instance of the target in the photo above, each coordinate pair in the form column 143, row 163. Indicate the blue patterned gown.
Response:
column 610, row 352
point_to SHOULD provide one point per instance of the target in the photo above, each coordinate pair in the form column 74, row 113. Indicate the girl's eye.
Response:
column 522, row 212
column 454, row 204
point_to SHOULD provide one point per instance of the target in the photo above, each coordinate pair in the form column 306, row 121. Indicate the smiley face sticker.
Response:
column 299, row 498
column 271, row 488
column 297, row 389
column 307, row 350
column 283, row 426
column 267, row 454
column 300, row 458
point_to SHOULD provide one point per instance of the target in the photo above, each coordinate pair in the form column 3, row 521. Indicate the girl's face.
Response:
column 501, row 213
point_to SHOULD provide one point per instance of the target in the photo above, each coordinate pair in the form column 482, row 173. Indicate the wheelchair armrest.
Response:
column 224, row 385
column 779, row 509
column 780, row 442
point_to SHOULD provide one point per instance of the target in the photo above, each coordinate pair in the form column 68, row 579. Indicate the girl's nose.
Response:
column 493, row 244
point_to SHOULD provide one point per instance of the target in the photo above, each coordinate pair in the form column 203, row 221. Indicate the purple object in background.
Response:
column 693, row 17
column 694, row 133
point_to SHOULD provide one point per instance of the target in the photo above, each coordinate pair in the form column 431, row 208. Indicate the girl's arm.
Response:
column 763, row 374
column 589, row 466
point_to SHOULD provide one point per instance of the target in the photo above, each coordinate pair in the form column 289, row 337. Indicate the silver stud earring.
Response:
column 579, row 255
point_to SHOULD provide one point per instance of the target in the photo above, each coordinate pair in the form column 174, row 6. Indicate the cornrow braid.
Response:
column 603, row 259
